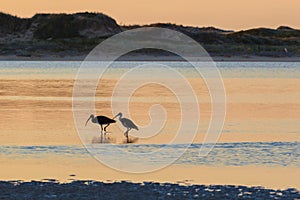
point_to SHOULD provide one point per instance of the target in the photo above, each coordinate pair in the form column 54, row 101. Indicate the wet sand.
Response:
column 91, row 169
column 127, row 190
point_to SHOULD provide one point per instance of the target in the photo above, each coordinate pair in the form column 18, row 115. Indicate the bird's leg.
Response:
column 105, row 128
column 128, row 129
column 101, row 131
column 126, row 132
column 101, row 135
column 101, row 138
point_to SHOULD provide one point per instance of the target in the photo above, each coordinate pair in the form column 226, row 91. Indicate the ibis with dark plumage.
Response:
column 101, row 120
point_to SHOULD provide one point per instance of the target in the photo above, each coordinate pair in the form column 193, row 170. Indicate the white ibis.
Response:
column 101, row 120
column 127, row 123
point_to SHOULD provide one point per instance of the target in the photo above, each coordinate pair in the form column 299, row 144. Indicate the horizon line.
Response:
column 155, row 22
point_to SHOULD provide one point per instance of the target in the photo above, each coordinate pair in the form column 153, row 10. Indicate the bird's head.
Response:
column 91, row 117
column 118, row 115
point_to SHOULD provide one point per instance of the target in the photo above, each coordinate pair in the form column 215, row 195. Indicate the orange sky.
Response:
column 227, row 14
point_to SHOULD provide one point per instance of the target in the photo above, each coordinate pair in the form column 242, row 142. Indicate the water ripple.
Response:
column 224, row 154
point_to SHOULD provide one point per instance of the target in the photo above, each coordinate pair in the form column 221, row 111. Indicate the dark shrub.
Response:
column 56, row 27
column 11, row 24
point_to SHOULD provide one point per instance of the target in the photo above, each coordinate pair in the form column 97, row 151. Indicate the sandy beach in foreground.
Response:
column 90, row 169
column 88, row 189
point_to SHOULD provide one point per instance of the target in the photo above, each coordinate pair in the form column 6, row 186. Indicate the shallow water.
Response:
column 263, row 98
column 63, row 69
column 224, row 154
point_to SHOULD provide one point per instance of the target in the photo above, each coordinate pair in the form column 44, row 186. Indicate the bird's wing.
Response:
column 128, row 123
column 105, row 120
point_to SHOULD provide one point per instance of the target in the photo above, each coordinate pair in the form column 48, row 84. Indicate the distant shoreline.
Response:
column 39, row 38
column 155, row 58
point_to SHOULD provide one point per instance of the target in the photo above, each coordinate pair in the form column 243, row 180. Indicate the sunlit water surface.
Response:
column 223, row 154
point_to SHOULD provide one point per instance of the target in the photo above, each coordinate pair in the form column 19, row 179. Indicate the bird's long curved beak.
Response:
column 116, row 116
column 87, row 120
